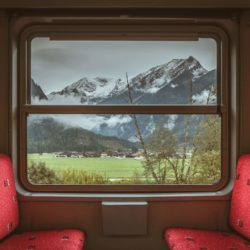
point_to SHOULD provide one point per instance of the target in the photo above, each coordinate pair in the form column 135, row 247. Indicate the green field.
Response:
column 110, row 167
column 99, row 170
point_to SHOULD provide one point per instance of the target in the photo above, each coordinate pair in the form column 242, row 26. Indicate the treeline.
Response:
column 48, row 135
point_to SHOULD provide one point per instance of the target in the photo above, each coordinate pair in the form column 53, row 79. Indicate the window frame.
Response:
column 58, row 31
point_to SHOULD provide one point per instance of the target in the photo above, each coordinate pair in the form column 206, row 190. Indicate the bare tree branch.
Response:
column 138, row 130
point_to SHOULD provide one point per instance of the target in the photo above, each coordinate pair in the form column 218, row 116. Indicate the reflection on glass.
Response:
column 94, row 72
column 124, row 149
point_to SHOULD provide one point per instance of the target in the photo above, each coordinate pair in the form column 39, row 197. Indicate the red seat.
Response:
column 9, row 218
column 56, row 240
column 193, row 239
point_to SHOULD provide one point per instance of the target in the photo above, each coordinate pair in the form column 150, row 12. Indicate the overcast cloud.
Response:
column 88, row 122
column 56, row 64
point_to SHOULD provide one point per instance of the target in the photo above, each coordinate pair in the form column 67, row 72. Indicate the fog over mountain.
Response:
column 180, row 81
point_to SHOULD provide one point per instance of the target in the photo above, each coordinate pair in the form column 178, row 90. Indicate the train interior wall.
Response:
column 48, row 213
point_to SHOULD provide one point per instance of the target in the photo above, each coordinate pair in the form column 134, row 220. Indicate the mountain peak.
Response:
column 157, row 77
column 195, row 67
column 36, row 91
column 84, row 84
column 191, row 59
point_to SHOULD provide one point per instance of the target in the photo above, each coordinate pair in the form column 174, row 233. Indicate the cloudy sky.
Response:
column 56, row 64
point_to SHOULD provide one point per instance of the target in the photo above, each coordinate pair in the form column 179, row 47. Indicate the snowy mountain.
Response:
column 180, row 81
column 170, row 83
column 87, row 91
column 157, row 77
column 159, row 84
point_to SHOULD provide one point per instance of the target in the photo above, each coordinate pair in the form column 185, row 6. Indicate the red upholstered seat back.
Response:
column 240, row 206
column 8, row 201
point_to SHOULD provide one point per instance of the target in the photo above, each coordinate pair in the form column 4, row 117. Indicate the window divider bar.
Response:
column 122, row 109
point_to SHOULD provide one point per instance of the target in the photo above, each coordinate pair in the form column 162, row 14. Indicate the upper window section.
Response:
column 111, row 72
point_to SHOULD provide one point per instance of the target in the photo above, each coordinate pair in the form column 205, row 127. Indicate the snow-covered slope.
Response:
column 87, row 91
column 154, row 79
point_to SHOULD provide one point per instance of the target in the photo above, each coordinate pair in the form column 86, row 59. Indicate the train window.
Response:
column 123, row 110
column 156, row 149
column 100, row 72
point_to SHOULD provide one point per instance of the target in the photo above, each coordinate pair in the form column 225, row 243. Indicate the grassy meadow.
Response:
column 49, row 169
column 109, row 167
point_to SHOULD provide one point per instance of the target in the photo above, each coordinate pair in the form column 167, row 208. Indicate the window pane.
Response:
column 94, row 72
column 124, row 149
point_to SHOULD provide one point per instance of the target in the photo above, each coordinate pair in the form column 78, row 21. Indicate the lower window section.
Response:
column 123, row 149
